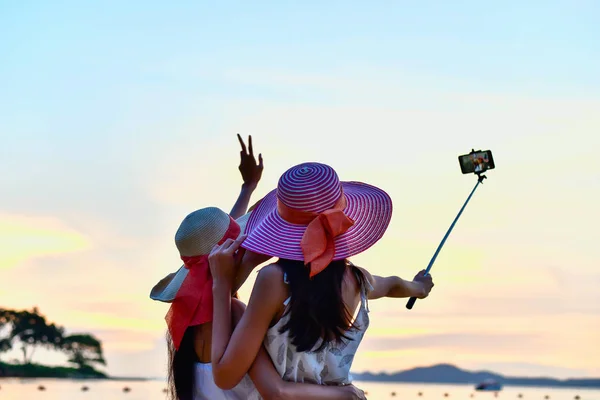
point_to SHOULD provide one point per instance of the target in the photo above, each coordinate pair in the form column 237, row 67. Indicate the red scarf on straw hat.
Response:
column 193, row 303
column 317, row 243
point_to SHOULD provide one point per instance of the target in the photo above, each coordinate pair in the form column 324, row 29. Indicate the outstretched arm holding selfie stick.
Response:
column 480, row 178
column 396, row 287
column 422, row 284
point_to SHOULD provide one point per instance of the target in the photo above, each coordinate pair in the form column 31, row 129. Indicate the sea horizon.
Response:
column 67, row 389
column 544, row 381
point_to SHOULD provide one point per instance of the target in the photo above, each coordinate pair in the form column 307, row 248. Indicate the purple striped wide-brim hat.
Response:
column 315, row 187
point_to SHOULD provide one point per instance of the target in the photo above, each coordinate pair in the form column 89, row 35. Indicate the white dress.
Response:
column 330, row 366
column 206, row 389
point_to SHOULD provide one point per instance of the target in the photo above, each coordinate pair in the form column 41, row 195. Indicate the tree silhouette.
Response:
column 32, row 331
column 84, row 350
column 6, row 318
column 5, row 345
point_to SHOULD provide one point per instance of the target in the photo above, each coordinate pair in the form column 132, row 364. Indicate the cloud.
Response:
column 113, row 320
column 465, row 341
column 378, row 85
column 150, row 362
column 500, row 352
column 128, row 341
column 24, row 238
column 490, row 273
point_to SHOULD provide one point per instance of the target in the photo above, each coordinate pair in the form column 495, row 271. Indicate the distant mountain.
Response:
column 446, row 373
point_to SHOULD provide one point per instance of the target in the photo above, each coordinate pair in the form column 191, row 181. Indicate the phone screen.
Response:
column 477, row 162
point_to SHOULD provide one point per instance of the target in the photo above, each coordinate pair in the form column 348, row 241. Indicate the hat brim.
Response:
column 166, row 289
column 243, row 221
column 369, row 207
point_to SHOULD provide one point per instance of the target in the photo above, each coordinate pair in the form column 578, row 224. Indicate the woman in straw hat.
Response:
column 189, row 291
column 310, row 307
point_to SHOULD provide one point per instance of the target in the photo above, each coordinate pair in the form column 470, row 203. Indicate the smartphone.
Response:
column 476, row 162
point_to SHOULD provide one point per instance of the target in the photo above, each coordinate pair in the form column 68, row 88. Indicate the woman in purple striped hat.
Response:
column 189, row 291
column 310, row 307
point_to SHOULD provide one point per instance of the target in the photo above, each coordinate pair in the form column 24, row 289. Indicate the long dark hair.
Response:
column 181, row 379
column 317, row 310
column 181, row 367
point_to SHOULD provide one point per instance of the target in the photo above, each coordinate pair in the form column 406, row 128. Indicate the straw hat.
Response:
column 196, row 236
column 308, row 194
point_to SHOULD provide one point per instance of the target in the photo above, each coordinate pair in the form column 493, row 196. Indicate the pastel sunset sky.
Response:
column 119, row 118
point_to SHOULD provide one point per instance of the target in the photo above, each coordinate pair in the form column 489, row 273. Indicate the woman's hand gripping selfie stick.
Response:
column 480, row 178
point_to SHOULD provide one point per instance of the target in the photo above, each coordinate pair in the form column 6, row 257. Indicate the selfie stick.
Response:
column 480, row 178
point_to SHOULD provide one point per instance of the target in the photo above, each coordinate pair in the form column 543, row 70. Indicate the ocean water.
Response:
column 13, row 389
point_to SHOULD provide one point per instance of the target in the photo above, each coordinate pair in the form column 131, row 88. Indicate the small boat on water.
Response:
column 489, row 385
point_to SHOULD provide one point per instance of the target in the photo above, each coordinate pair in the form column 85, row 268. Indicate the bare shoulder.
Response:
column 270, row 274
column 367, row 275
column 269, row 285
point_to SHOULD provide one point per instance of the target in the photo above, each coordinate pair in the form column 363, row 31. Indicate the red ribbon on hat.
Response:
column 318, row 241
column 193, row 303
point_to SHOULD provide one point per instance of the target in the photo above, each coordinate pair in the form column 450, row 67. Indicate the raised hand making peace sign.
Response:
column 250, row 170
column 251, row 174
